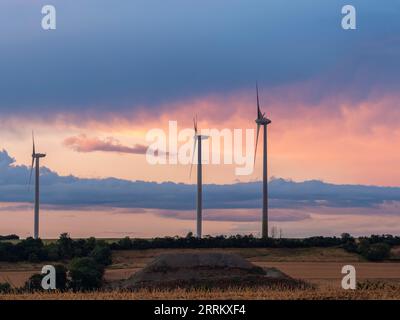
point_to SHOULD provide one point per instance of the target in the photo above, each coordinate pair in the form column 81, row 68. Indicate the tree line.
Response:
column 66, row 248
column 83, row 261
column 346, row 241
column 9, row 237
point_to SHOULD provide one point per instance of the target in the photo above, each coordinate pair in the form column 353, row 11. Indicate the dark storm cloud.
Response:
column 108, row 56
column 111, row 192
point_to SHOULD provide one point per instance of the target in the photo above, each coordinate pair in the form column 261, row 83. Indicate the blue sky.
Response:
column 115, row 69
column 140, row 61
column 126, row 54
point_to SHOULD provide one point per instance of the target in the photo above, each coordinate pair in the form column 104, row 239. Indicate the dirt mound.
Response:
column 206, row 270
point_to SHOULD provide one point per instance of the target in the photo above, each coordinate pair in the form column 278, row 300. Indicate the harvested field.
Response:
column 320, row 266
column 181, row 294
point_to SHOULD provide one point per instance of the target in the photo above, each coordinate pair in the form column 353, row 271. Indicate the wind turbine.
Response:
column 197, row 139
column 263, row 121
column 35, row 161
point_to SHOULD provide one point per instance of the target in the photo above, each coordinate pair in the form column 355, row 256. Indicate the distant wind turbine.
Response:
column 35, row 161
column 263, row 121
column 198, row 138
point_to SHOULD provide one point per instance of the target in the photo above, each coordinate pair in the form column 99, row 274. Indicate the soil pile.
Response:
column 205, row 270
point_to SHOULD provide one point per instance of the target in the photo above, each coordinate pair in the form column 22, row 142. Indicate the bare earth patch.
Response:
column 206, row 270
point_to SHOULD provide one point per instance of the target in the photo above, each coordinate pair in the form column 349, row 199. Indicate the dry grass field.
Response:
column 234, row 293
column 319, row 266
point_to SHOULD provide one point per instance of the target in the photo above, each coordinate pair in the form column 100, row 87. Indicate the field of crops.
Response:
column 385, row 293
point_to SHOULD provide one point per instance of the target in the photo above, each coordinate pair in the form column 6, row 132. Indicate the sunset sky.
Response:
column 112, row 71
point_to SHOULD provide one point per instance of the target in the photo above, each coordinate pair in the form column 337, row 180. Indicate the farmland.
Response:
column 318, row 266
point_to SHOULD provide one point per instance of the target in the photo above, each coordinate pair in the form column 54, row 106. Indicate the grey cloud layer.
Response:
column 108, row 57
column 70, row 191
column 244, row 215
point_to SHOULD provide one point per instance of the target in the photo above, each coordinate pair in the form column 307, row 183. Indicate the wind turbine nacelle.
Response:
column 39, row 155
column 202, row 137
column 263, row 121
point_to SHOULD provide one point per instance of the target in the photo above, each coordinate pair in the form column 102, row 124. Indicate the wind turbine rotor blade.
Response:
column 259, row 114
column 258, row 100
column 194, row 151
column 255, row 149
column 33, row 160
column 33, row 144
column 30, row 174
column 195, row 125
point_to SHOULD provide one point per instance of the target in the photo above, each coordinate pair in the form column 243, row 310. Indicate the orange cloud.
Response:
column 333, row 138
column 82, row 143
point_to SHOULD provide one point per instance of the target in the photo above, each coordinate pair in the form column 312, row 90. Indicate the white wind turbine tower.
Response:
column 263, row 121
column 35, row 162
column 198, row 139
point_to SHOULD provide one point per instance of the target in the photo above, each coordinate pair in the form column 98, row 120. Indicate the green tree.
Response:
column 346, row 236
column 52, row 252
column 65, row 246
column 61, row 277
column 125, row 243
column 32, row 257
column 378, row 252
column 102, row 255
column 86, row 274
column 5, row 287
column 189, row 234
column 34, row 283
column 363, row 247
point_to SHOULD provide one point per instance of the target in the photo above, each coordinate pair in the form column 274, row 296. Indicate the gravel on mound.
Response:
column 206, row 270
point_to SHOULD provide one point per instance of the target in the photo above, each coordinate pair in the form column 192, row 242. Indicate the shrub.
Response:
column 125, row 243
column 9, row 237
column 102, row 255
column 34, row 283
column 32, row 257
column 61, row 277
column 90, row 244
column 189, row 234
column 52, row 252
column 5, row 287
column 86, row 274
column 378, row 252
column 363, row 247
column 65, row 246
column 346, row 236
column 350, row 246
